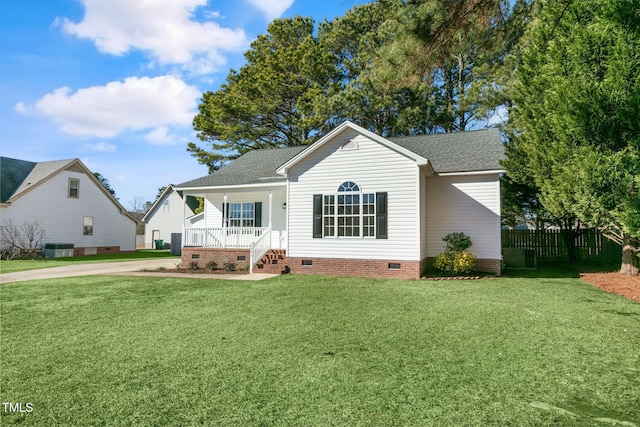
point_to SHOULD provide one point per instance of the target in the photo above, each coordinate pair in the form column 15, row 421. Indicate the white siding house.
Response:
column 68, row 202
column 167, row 215
column 353, row 203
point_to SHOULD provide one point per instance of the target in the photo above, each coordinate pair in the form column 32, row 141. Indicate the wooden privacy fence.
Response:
column 551, row 244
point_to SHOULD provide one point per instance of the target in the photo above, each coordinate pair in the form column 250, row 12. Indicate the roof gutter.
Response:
column 233, row 187
column 486, row 172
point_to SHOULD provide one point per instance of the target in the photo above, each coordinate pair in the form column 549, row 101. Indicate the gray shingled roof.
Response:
column 256, row 166
column 477, row 150
column 13, row 172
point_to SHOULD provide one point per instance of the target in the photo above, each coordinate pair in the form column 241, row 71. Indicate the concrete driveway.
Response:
column 124, row 268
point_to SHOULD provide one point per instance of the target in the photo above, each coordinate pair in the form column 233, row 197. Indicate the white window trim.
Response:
column 361, row 215
column 77, row 196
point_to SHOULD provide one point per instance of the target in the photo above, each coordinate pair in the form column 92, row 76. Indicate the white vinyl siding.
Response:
column 63, row 217
column 166, row 219
column 374, row 168
column 423, row 215
column 470, row 204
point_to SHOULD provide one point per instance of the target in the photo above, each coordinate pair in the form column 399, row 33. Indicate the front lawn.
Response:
column 302, row 350
column 22, row 265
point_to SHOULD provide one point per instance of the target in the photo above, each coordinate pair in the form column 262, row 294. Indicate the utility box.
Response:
column 58, row 250
column 176, row 244
column 519, row 258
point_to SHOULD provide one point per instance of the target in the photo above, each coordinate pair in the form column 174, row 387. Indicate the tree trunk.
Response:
column 630, row 260
column 569, row 237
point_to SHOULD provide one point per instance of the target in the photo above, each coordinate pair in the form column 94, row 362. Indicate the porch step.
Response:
column 272, row 262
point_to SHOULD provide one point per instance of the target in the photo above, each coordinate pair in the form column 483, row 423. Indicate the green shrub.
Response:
column 229, row 266
column 457, row 242
column 212, row 265
column 455, row 258
column 464, row 262
column 455, row 262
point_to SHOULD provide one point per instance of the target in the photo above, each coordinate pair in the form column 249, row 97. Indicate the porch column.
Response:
column 270, row 207
column 184, row 210
column 224, row 221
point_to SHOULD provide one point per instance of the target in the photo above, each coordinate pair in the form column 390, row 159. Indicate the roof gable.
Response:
column 420, row 160
column 42, row 172
column 191, row 202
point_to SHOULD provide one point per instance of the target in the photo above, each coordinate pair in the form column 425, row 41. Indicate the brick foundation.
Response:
column 355, row 267
column 484, row 265
column 220, row 256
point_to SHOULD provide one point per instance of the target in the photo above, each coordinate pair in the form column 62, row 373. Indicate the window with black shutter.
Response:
column 350, row 213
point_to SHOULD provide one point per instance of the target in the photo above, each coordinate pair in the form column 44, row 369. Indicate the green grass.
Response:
column 22, row 265
column 302, row 350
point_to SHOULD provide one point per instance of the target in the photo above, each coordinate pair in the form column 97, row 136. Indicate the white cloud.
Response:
column 165, row 29
column 102, row 147
column 272, row 8
column 21, row 108
column 161, row 136
column 135, row 104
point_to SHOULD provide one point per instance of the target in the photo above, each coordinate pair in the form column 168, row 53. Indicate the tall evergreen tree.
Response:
column 442, row 44
column 270, row 101
column 575, row 117
column 358, row 94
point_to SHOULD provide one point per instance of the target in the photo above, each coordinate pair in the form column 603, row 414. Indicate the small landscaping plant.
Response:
column 229, row 266
column 193, row 266
column 212, row 265
column 455, row 259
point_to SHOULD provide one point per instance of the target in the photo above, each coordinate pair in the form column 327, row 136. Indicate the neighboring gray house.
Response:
column 68, row 202
column 353, row 203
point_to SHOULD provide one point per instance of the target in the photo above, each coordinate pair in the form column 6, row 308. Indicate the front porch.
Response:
column 223, row 237
column 240, row 248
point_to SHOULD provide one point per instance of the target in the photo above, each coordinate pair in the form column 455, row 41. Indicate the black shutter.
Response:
column 225, row 214
column 258, row 214
column 381, row 216
column 317, row 216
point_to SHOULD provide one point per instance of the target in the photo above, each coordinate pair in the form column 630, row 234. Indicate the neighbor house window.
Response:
column 87, row 226
column 165, row 205
column 350, row 213
column 244, row 214
column 74, row 188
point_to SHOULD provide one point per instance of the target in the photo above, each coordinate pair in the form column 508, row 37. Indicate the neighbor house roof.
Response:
column 191, row 202
column 18, row 177
column 12, row 173
column 471, row 151
column 22, row 175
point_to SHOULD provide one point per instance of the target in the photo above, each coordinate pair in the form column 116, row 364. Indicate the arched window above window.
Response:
column 348, row 186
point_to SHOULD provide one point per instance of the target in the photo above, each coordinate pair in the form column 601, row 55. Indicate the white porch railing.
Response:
column 259, row 247
column 224, row 237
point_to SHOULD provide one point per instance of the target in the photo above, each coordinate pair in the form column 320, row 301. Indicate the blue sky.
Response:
column 116, row 83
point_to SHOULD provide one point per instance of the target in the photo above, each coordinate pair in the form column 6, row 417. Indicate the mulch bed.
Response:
column 436, row 275
column 455, row 277
column 615, row 283
column 198, row 271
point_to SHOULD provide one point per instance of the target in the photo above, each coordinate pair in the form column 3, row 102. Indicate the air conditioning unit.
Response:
column 58, row 250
